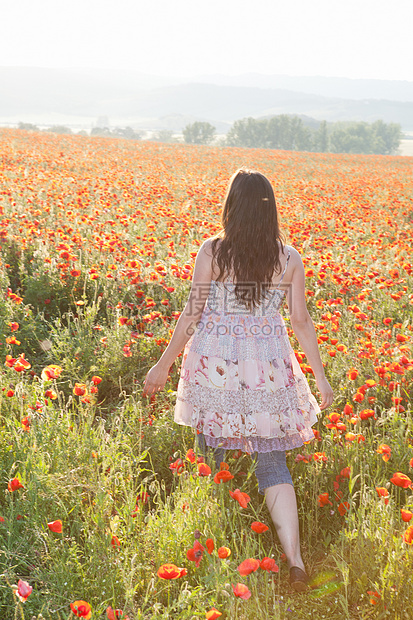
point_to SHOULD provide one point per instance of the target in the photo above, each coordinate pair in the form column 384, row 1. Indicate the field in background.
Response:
column 97, row 243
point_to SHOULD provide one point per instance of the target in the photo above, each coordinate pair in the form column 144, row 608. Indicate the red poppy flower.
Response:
column 406, row 515
column 248, row 566
column 323, row 500
column 242, row 498
column 209, row 543
column 383, row 492
column 223, row 476
column 80, row 389
column 343, row 507
column 191, row 456
column 55, row 526
column 374, row 597
column 352, row 374
column 51, row 372
column 195, row 553
column 259, row 527
column 224, row 552
column 401, row 480
column 115, row 542
column 81, row 609
column 23, row 590
column 213, row 614
column 115, row 614
column 241, row 591
column 269, row 565
column 170, row 571
column 385, row 450
column 408, row 535
column 345, row 472
column 204, row 469
column 178, row 466
column 96, row 380
column 14, row 484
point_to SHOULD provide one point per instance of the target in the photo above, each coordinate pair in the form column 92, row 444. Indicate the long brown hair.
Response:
column 249, row 235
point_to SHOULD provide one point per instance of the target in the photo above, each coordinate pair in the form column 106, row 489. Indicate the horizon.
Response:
column 203, row 75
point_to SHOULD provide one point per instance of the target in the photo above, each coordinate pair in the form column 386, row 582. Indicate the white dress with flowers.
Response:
column 240, row 383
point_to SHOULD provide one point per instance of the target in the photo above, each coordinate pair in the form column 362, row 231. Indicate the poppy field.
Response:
column 106, row 508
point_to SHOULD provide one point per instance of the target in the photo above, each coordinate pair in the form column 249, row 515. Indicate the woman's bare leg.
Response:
column 282, row 504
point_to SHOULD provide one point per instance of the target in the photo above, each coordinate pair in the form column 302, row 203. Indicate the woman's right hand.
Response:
column 326, row 392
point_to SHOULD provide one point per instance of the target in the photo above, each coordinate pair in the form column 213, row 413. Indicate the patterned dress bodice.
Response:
column 222, row 298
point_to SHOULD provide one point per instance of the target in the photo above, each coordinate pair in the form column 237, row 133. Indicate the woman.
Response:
column 241, row 386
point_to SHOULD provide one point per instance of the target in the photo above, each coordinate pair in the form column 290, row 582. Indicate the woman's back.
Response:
column 284, row 256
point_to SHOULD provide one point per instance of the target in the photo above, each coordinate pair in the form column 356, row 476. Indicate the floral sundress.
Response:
column 240, row 383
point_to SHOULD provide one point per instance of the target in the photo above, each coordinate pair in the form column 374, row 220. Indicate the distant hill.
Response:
column 342, row 88
column 79, row 97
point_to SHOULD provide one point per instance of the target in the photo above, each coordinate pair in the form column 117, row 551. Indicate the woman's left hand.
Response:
column 155, row 380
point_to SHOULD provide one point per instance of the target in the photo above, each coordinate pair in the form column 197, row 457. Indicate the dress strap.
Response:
column 285, row 268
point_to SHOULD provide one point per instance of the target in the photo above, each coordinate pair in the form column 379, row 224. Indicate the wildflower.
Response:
column 352, row 374
column 144, row 497
column 51, row 372
column 406, row 515
column 23, row 590
column 374, row 596
column 242, row 498
column 345, row 472
column 114, row 614
column 269, row 565
column 213, row 614
column 170, row 571
column 96, row 380
column 401, row 480
column 55, row 526
column 204, row 469
column 259, row 527
column 14, row 484
column 408, row 535
column 385, row 450
column 223, row 476
column 195, row 553
column 320, row 456
column 367, row 413
column 12, row 340
column 80, row 389
column 209, row 543
column 178, row 466
column 25, row 423
column 224, row 552
column 383, row 492
column 115, row 542
column 81, row 609
column 302, row 457
column 241, row 591
column 248, row 566
column 323, row 500
column 191, row 456
column 343, row 507
column 21, row 364
column 348, row 409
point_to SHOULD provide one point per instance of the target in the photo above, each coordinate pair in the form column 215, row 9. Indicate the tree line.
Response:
column 290, row 133
column 283, row 132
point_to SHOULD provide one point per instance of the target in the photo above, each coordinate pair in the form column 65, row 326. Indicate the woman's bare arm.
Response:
column 303, row 326
column 201, row 280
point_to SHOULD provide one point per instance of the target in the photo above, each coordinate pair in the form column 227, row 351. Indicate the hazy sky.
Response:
column 351, row 38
